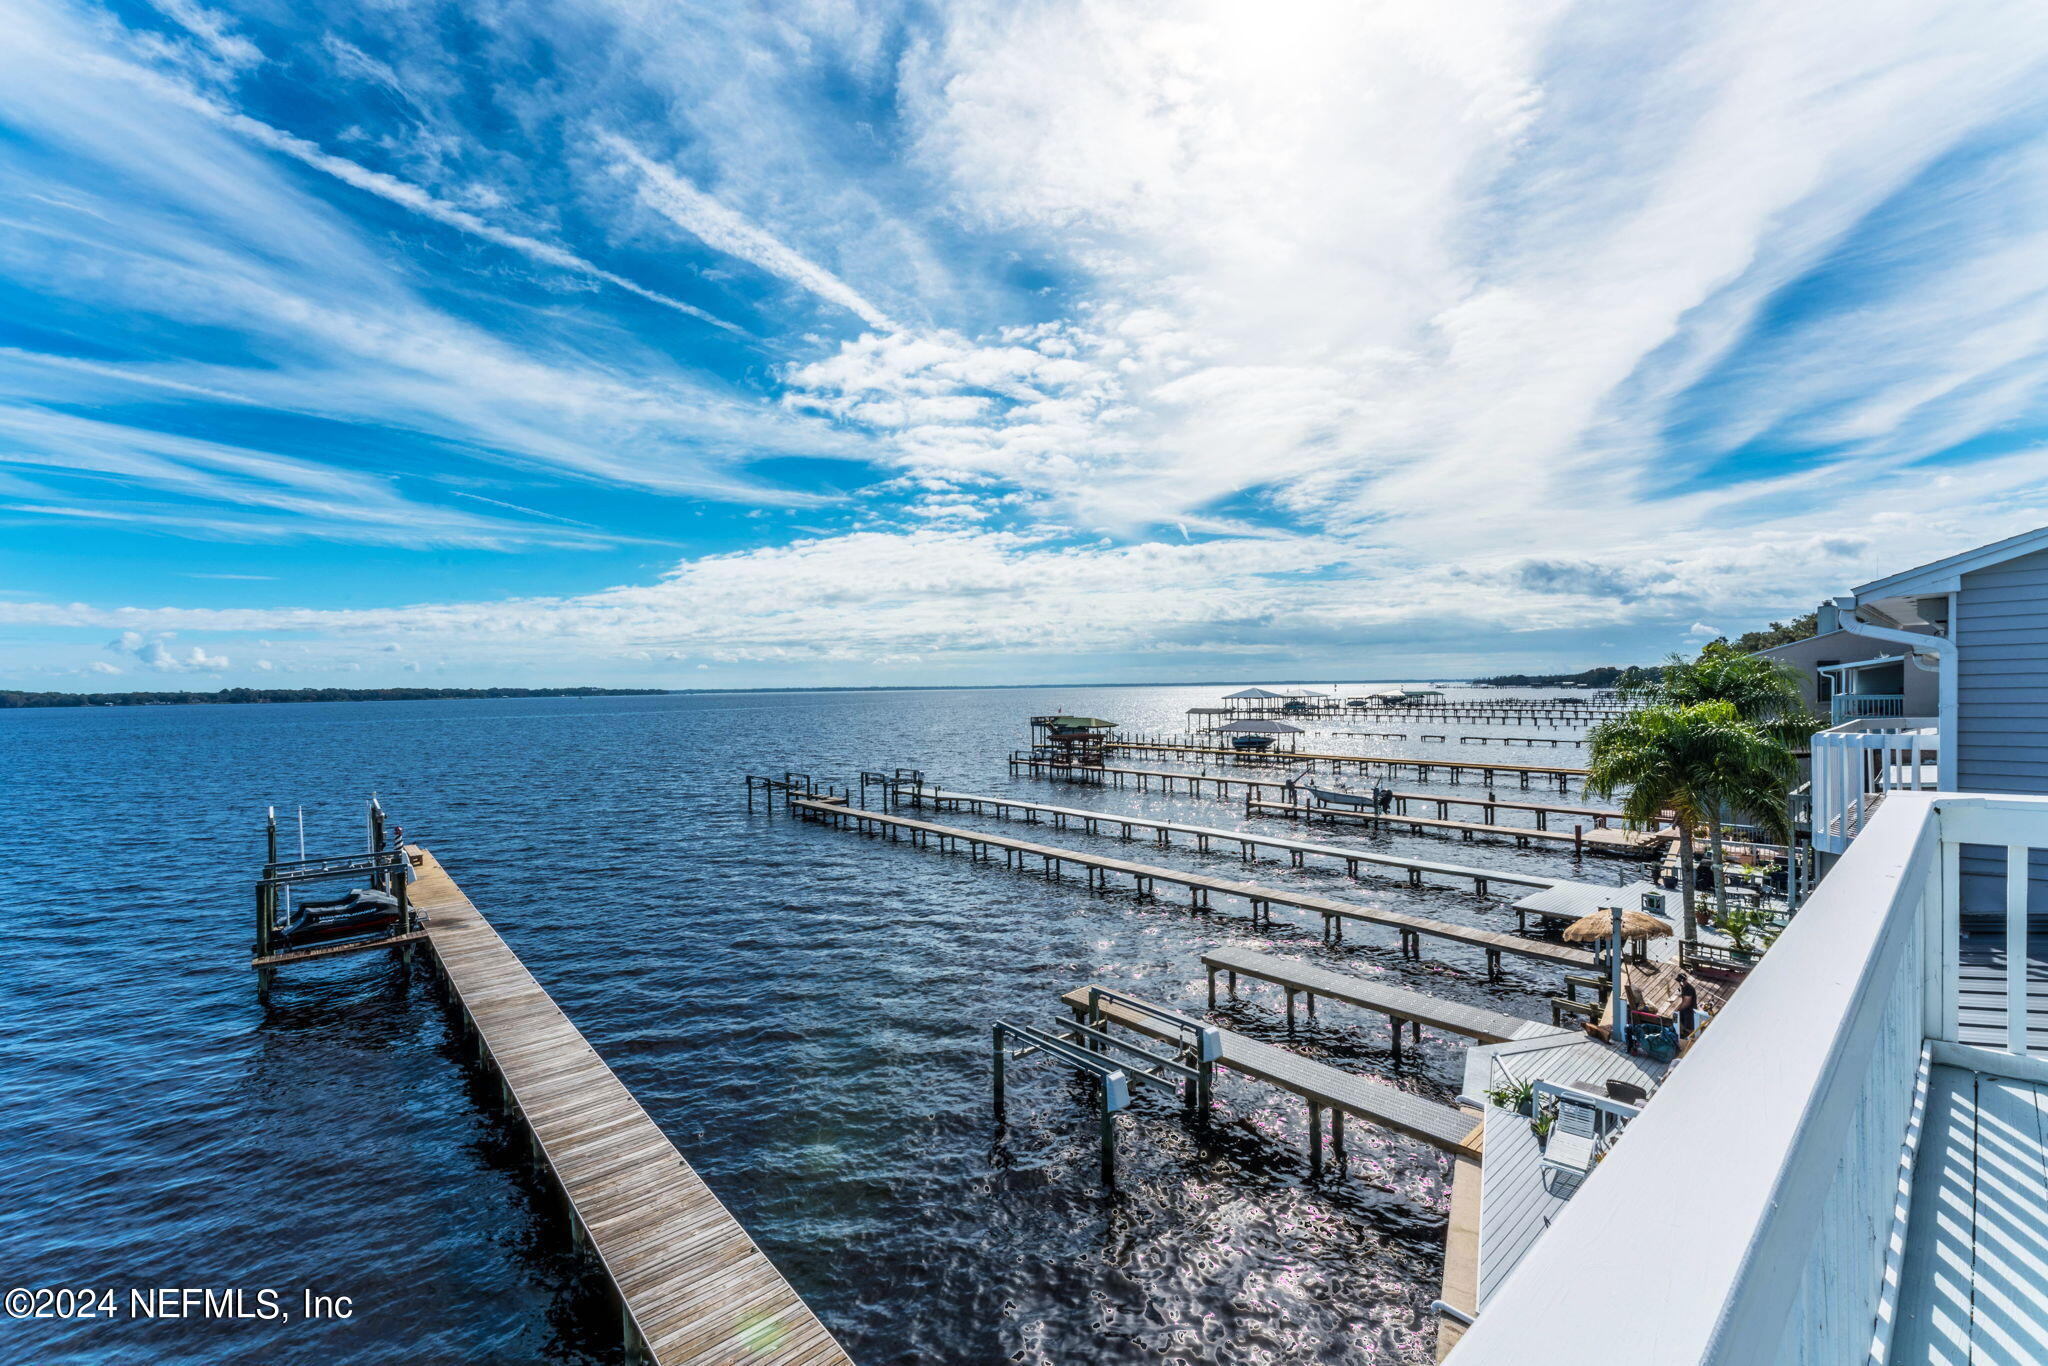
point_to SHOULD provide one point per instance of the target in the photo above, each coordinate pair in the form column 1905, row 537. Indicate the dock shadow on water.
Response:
column 806, row 1013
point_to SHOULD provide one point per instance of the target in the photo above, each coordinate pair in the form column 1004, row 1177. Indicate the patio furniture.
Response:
column 1574, row 1141
column 1627, row 1092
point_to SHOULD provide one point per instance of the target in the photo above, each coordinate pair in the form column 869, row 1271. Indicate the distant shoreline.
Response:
column 17, row 701
column 20, row 700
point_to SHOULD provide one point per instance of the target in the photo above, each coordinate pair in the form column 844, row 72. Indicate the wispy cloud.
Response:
column 1168, row 329
column 718, row 227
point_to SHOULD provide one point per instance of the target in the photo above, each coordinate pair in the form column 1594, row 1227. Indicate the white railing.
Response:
column 1847, row 706
column 1857, row 764
column 1752, row 1215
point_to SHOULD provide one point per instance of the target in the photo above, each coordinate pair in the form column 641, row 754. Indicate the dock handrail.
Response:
column 1207, row 1041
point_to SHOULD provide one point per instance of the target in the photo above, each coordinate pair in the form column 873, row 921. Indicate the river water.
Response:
column 805, row 1012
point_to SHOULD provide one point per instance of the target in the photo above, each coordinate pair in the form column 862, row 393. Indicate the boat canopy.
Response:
column 1079, row 723
column 1251, row 695
column 1259, row 726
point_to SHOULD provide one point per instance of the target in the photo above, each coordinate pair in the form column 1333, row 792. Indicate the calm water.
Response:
column 805, row 1012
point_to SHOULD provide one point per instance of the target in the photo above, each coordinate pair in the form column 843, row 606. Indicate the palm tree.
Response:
column 1654, row 755
column 1698, row 761
column 1765, row 693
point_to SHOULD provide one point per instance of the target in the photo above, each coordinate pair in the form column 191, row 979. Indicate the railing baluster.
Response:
column 2016, row 948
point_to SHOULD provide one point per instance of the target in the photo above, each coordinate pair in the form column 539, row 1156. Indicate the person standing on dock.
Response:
column 1686, row 1006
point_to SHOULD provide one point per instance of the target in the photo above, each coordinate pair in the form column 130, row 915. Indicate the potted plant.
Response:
column 1519, row 1096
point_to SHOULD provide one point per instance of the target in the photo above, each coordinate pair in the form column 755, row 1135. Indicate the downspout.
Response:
column 1943, row 648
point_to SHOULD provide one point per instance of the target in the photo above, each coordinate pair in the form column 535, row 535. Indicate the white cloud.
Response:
column 717, row 226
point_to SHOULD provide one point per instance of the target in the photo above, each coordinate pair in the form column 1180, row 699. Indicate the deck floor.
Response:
column 1517, row 1199
column 1977, row 1247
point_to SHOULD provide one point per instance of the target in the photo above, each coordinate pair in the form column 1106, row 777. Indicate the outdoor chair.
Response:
column 1569, row 1152
column 1627, row 1092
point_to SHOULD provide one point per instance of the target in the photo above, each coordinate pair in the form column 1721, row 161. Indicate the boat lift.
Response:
column 383, row 865
column 1084, row 1045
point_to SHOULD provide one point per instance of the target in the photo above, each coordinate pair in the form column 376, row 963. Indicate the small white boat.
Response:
column 1333, row 796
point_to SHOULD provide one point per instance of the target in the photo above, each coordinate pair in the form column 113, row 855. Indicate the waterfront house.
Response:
column 1934, row 677
column 1851, row 1164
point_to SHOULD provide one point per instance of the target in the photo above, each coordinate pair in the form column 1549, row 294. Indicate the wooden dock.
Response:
column 1322, row 1086
column 693, row 1285
column 1620, row 843
column 1207, row 837
column 1200, row 887
column 1220, row 785
column 1490, row 771
column 1398, row 1004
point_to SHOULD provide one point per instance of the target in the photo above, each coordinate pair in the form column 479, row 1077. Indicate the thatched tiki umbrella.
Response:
column 1621, row 927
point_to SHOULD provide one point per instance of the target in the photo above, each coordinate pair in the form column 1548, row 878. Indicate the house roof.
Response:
column 1939, row 576
column 1803, row 640
column 1862, row 663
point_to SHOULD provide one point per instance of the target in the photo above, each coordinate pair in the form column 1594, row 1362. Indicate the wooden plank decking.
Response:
column 1221, row 785
column 1204, row 836
column 1625, row 843
column 694, row 1285
column 1559, row 773
column 1345, row 1093
column 1970, row 1284
column 1200, row 886
column 1397, row 1003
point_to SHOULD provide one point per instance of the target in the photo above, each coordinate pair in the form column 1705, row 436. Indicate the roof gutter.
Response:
column 1944, row 651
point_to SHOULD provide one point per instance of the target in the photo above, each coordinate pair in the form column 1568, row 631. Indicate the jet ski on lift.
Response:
column 364, row 911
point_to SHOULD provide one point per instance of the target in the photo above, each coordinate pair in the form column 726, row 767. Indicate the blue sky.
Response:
column 723, row 345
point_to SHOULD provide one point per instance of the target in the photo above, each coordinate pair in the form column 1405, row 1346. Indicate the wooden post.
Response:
column 1000, row 1051
column 1108, row 1135
column 1315, row 1139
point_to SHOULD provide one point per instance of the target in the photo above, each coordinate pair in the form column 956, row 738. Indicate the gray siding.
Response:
column 2001, row 634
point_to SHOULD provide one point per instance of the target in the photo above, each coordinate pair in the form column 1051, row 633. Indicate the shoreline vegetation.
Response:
column 1605, row 676
column 249, row 695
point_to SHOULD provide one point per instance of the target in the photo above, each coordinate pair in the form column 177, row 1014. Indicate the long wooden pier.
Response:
column 1398, row 1004
column 1322, row 1086
column 693, row 1285
column 1490, row 771
column 1222, row 785
column 1205, row 837
column 1200, row 887
column 1621, row 843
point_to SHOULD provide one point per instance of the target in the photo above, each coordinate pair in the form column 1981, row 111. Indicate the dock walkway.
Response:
column 1621, row 843
column 1206, row 836
column 695, row 1287
column 1200, row 886
column 1222, row 786
column 1322, row 1086
column 1359, row 763
column 1398, row 1004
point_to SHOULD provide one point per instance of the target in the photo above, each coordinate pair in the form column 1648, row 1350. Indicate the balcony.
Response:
column 1851, row 1164
column 1860, row 762
column 1851, row 706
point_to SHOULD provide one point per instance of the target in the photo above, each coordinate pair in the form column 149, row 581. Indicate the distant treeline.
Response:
column 1749, row 642
column 1605, row 677
column 170, row 699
